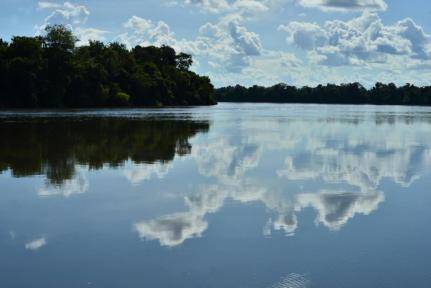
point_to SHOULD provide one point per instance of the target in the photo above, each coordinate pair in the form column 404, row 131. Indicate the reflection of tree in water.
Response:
column 54, row 146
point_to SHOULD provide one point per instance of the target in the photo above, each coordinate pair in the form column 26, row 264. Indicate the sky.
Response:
column 247, row 42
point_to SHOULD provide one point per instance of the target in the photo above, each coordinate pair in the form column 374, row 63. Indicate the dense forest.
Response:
column 352, row 93
column 52, row 72
column 54, row 146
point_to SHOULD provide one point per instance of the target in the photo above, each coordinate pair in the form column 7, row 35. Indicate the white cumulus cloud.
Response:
column 362, row 40
column 74, row 17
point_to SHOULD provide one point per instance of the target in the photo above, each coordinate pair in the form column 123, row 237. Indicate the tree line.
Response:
column 52, row 72
column 351, row 93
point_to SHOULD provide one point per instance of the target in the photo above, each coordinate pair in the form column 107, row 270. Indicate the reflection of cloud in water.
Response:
column 36, row 244
column 224, row 161
column 359, row 155
column 334, row 209
column 78, row 185
column 364, row 170
column 336, row 154
column 142, row 172
column 286, row 222
column 174, row 229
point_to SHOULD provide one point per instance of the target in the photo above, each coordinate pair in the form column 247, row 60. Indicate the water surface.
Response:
column 237, row 195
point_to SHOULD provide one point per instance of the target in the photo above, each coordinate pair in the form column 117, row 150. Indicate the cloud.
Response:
column 359, row 41
column 140, row 25
column 305, row 35
column 345, row 5
column 85, row 35
column 266, row 69
column 214, row 6
column 244, row 7
column 420, row 41
column 246, row 41
column 67, row 14
column 72, row 16
column 144, row 32
column 251, row 6
column 78, row 185
column 228, row 41
column 48, row 5
column 36, row 244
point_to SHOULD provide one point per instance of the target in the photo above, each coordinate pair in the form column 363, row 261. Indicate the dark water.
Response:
column 283, row 196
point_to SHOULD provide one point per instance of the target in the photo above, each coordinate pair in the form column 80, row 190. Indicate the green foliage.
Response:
column 184, row 61
column 60, row 38
column 51, row 72
column 120, row 99
column 351, row 93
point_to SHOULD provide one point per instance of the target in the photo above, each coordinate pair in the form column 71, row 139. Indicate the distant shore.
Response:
column 351, row 93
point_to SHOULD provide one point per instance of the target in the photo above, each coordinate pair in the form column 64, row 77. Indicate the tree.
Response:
column 3, row 72
column 51, row 72
column 184, row 61
column 168, row 56
column 60, row 38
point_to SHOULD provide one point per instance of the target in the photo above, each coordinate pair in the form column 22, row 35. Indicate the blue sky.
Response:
column 299, row 42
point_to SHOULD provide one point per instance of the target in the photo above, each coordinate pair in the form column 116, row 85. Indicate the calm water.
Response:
column 266, row 196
